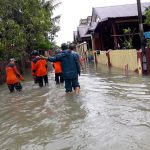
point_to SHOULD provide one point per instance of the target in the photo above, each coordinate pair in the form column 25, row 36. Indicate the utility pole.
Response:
column 144, row 61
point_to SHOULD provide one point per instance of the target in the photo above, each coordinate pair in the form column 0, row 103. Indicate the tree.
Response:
column 13, row 42
column 25, row 25
column 51, row 5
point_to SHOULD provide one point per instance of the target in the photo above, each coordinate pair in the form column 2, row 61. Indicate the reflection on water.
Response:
column 112, row 112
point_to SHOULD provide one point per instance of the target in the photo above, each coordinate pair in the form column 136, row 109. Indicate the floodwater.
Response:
column 112, row 112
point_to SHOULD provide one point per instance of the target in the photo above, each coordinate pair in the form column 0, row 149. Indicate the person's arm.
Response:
column 53, row 59
column 18, row 74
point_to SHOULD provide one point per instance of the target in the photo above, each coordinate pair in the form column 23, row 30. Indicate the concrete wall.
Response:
column 122, row 58
column 102, row 58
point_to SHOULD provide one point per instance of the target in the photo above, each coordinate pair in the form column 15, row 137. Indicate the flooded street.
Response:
column 112, row 112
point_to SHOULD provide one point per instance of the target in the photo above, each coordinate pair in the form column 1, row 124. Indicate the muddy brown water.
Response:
column 112, row 112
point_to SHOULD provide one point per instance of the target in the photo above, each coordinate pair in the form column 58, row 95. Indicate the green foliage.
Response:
column 148, row 43
column 147, row 15
column 13, row 41
column 128, row 38
column 25, row 25
column 44, row 45
column 127, row 31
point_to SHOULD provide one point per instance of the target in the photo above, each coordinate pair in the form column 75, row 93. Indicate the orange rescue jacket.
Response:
column 33, row 68
column 57, row 67
column 12, row 74
column 40, row 68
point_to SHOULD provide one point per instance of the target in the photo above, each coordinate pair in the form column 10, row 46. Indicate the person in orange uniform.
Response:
column 58, row 71
column 40, row 69
column 35, row 56
column 33, row 73
column 13, row 76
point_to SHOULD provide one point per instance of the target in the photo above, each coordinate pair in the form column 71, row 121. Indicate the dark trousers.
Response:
column 35, row 78
column 59, row 78
column 71, row 83
column 16, row 86
column 40, row 80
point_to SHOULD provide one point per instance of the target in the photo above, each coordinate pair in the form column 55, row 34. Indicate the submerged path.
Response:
column 112, row 112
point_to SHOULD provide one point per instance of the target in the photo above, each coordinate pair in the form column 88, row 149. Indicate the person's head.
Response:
column 64, row 46
column 12, row 60
column 72, row 46
column 34, row 53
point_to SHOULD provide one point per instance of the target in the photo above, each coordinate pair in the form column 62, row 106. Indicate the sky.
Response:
column 72, row 11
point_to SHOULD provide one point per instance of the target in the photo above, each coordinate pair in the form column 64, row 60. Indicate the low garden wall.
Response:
column 124, row 59
column 102, row 58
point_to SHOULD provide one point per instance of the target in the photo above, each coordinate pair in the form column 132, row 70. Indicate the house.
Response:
column 116, row 27
column 81, row 35
column 111, row 21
